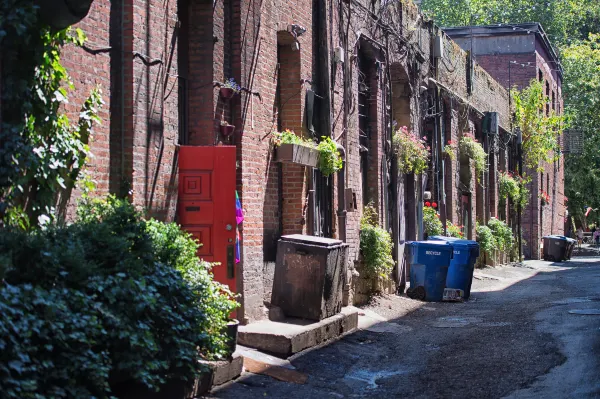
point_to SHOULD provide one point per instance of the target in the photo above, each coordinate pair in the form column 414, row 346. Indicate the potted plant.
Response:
column 226, row 129
column 450, row 150
column 544, row 197
column 292, row 148
column 229, row 88
column 330, row 160
column 470, row 147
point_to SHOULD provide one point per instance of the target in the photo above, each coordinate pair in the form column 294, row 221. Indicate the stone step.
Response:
column 290, row 336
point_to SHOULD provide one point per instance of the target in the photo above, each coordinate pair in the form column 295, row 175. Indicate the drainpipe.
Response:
column 341, row 213
column 122, row 105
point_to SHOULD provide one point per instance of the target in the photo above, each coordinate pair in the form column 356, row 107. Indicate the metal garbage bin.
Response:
column 462, row 266
column 555, row 248
column 429, row 261
column 309, row 276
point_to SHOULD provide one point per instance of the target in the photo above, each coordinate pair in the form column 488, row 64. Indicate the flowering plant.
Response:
column 544, row 197
column 289, row 137
column 431, row 222
column 411, row 151
column 470, row 147
column 454, row 230
column 450, row 150
column 231, row 84
column 513, row 187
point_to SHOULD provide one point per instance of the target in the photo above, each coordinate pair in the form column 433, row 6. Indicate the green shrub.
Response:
column 503, row 234
column 375, row 245
column 431, row 222
column 106, row 299
column 485, row 238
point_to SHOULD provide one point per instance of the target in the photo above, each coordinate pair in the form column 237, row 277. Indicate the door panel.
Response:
column 206, row 205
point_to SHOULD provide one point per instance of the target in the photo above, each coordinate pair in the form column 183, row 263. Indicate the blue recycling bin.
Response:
column 462, row 266
column 429, row 261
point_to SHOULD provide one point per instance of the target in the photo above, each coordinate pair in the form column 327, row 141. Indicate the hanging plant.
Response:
column 229, row 88
column 411, row 151
column 450, row 150
column 544, row 197
column 330, row 160
column 470, row 147
column 375, row 245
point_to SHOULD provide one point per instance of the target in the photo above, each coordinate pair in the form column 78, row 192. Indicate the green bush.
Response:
column 503, row 234
column 431, row 222
column 375, row 245
column 485, row 238
column 109, row 298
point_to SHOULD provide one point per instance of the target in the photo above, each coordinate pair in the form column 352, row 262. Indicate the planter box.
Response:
column 298, row 154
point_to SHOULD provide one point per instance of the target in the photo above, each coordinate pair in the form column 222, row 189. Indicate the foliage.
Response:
column 544, row 197
column 375, row 245
column 450, row 150
column 581, row 61
column 513, row 187
column 289, row 137
column 231, row 84
column 470, row 147
column 411, row 151
column 431, row 222
column 503, row 235
column 105, row 299
column 330, row 161
column 454, row 230
column 42, row 152
column 562, row 20
column 540, row 129
column 485, row 238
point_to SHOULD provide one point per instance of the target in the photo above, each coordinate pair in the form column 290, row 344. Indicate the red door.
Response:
column 206, row 205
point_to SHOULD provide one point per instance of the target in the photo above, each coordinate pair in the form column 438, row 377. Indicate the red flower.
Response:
column 427, row 203
column 434, row 204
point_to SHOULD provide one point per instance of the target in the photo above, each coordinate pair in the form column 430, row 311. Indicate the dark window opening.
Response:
column 364, row 122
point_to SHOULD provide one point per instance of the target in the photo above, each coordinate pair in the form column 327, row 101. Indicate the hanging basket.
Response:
column 226, row 92
column 63, row 13
column 227, row 130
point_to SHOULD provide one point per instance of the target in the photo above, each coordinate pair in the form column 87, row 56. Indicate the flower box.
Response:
column 298, row 154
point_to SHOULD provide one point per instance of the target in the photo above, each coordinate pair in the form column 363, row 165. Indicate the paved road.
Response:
column 515, row 338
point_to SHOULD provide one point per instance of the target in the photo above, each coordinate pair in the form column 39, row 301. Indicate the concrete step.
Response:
column 290, row 336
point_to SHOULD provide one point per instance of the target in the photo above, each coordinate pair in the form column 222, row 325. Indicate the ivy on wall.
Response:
column 42, row 152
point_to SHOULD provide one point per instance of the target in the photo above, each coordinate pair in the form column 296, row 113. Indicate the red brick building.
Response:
column 349, row 70
column 514, row 55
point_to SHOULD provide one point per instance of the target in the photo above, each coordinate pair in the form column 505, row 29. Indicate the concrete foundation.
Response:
column 285, row 338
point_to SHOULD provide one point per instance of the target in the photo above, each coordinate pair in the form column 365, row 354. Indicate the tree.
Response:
column 581, row 61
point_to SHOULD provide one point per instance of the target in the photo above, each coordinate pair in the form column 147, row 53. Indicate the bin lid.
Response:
column 312, row 240
column 458, row 242
column 557, row 237
column 443, row 245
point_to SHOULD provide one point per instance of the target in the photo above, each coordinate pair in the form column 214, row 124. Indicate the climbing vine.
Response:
column 539, row 124
column 42, row 152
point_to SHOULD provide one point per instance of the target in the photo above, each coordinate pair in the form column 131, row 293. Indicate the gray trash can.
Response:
column 555, row 248
column 309, row 276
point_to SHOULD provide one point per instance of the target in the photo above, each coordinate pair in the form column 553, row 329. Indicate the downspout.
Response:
column 122, row 105
column 326, row 78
